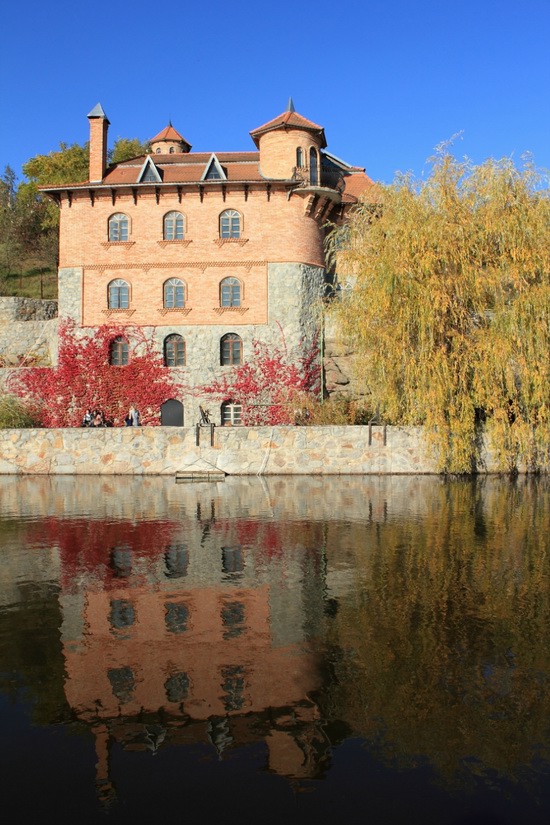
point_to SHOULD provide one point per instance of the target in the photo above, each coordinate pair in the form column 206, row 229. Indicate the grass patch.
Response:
column 15, row 414
column 36, row 282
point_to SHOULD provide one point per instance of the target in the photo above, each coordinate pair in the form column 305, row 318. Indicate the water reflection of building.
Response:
column 208, row 637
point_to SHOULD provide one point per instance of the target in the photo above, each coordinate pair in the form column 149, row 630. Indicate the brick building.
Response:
column 207, row 252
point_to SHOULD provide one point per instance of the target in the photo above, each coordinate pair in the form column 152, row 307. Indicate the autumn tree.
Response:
column 8, row 219
column 450, row 309
column 127, row 148
column 37, row 230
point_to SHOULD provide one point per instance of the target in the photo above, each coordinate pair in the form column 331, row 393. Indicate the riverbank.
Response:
column 238, row 451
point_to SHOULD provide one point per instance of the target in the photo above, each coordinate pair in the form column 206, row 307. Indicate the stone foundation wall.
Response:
column 26, row 309
column 341, row 376
column 236, row 451
column 28, row 331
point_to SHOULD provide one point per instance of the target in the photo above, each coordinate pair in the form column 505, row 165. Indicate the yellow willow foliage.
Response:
column 450, row 310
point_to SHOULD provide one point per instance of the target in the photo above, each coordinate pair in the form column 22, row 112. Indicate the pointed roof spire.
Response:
column 97, row 111
column 290, row 107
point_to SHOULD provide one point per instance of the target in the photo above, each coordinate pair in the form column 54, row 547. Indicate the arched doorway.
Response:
column 171, row 413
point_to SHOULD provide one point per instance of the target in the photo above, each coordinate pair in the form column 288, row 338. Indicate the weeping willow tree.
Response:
column 449, row 315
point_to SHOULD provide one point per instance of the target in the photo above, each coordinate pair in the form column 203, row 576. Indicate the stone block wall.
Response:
column 315, row 451
column 28, row 331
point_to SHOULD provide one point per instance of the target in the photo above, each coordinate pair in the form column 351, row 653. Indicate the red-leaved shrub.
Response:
column 270, row 386
column 84, row 378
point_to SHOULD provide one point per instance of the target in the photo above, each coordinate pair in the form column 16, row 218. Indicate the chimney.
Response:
column 99, row 126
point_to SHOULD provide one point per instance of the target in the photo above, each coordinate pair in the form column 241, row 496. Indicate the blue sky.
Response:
column 388, row 80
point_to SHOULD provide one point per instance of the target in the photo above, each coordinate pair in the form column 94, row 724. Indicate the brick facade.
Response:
column 281, row 196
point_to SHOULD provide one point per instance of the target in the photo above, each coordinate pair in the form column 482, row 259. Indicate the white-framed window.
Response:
column 230, row 292
column 174, row 226
column 230, row 224
column 174, row 294
column 119, row 227
column 118, row 294
column 231, row 414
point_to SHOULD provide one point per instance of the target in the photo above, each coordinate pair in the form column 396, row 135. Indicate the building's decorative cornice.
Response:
column 202, row 265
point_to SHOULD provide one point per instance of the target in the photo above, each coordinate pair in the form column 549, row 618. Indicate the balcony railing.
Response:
column 327, row 177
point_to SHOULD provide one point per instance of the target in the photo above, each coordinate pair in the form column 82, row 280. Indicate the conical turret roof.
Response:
column 169, row 133
column 289, row 119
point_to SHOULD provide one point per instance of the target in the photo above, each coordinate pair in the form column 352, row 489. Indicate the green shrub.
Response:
column 15, row 414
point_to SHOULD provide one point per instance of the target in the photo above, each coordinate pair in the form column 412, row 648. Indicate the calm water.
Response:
column 275, row 651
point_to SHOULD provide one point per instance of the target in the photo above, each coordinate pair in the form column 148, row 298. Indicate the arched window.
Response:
column 158, row 150
column 118, row 294
column 230, row 292
column 231, row 414
column 119, row 227
column 120, row 353
column 171, row 150
column 299, row 157
column 231, row 350
column 174, row 351
column 230, row 224
column 174, row 294
column 174, row 226
column 313, row 166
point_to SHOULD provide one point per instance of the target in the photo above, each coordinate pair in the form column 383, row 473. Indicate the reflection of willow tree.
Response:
column 443, row 648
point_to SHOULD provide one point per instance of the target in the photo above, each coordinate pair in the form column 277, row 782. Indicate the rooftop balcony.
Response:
column 325, row 177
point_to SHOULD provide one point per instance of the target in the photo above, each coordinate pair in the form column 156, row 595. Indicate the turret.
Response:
column 290, row 146
column 169, row 142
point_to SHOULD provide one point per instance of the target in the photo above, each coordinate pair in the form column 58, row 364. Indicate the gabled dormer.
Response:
column 213, row 170
column 149, row 172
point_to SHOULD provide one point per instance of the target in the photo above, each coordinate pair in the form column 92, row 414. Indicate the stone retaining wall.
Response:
column 236, row 451
column 28, row 332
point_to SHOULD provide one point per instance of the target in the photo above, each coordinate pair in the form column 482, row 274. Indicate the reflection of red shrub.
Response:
column 264, row 535
column 84, row 378
column 86, row 547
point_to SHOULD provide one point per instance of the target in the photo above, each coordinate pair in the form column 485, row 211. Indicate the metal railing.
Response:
column 325, row 176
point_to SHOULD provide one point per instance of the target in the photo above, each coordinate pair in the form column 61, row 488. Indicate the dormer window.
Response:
column 149, row 172
column 213, row 170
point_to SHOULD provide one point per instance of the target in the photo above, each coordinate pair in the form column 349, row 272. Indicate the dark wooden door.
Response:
column 171, row 413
